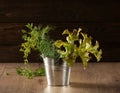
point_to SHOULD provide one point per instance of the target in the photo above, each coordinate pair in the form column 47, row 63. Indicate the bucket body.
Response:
column 56, row 74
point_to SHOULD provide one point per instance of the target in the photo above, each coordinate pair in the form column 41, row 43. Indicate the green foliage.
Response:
column 83, row 49
column 29, row 73
column 30, row 36
column 40, row 72
column 37, row 38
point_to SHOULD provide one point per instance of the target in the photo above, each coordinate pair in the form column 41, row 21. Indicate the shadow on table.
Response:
column 95, row 85
column 79, row 87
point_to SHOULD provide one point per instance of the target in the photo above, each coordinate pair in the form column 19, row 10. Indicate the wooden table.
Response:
column 97, row 78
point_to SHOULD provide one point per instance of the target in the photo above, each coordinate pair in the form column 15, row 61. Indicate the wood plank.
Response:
column 14, row 83
column 97, row 78
column 10, row 33
column 61, row 11
column 2, row 67
column 101, row 19
column 11, row 39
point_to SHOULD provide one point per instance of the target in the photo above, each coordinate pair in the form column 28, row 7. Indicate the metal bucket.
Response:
column 56, row 74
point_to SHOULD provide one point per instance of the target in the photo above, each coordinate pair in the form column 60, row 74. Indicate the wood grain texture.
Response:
column 11, row 39
column 59, row 11
column 97, row 78
column 14, row 83
column 101, row 19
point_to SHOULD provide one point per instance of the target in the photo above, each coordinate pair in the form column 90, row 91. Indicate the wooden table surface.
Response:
column 97, row 78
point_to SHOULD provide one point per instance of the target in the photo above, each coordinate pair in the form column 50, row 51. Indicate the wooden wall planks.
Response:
column 100, row 19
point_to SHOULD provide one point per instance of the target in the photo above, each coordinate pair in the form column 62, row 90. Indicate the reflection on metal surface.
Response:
column 52, row 89
column 57, row 74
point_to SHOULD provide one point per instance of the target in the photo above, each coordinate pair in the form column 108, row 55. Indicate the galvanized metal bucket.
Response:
column 56, row 74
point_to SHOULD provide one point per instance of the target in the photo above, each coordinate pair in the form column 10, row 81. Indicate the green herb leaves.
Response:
column 29, row 73
column 37, row 38
column 83, row 49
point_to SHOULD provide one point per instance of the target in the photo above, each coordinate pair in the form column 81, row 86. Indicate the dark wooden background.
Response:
column 99, row 18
